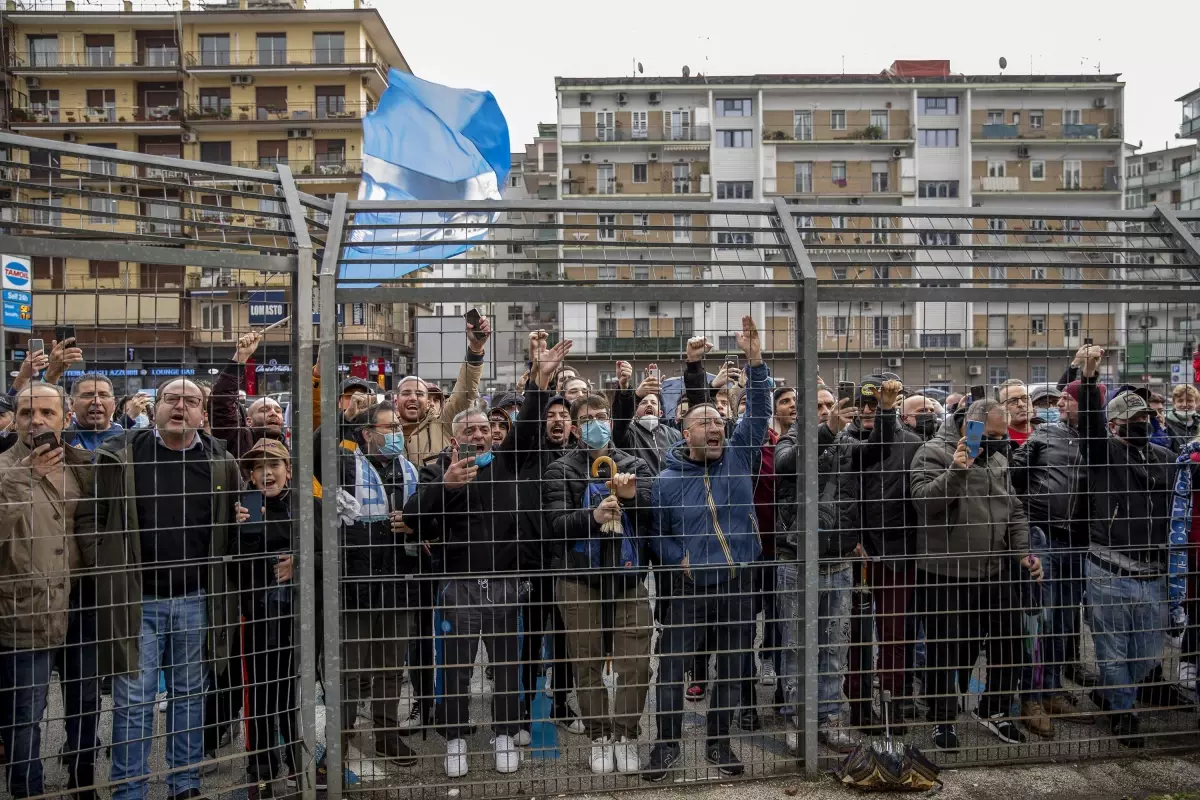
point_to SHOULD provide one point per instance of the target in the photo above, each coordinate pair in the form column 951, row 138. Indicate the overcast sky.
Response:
column 516, row 49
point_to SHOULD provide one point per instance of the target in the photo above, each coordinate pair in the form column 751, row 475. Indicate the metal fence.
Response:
column 405, row 640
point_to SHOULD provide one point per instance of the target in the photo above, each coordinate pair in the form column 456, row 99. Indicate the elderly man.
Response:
column 163, row 511
column 427, row 432
column 93, row 403
column 40, row 486
column 1014, row 396
column 922, row 415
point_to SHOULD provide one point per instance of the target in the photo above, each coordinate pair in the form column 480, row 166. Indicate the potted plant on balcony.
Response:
column 872, row 132
column 620, row 186
column 19, row 115
column 307, row 170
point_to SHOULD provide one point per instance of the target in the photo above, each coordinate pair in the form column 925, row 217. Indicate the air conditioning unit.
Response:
column 654, row 308
column 974, row 371
column 33, row 83
column 1022, row 152
column 188, row 137
column 897, row 152
column 70, row 137
column 585, row 98
column 608, row 308
column 865, row 305
column 1099, row 102
column 856, row 201
column 300, row 133
column 894, row 362
column 654, row 155
column 622, row 98
column 655, row 98
column 586, row 157
column 241, row 80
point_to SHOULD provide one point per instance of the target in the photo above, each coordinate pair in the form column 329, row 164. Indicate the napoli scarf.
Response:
column 1181, row 522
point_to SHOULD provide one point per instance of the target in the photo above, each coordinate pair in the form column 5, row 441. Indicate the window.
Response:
column 802, row 125
column 735, row 108
column 735, row 190
column 1073, row 228
column 1037, row 170
column 640, row 173
column 606, row 272
column 641, row 327
column 1037, row 325
column 997, row 226
column 102, row 166
column 739, row 138
column 49, row 215
column 681, row 178
column 329, row 48
column 1072, row 276
column 997, row 375
column 641, row 128
column 938, row 137
column 841, row 325
column 1072, row 116
column 272, row 49
column 837, row 221
column 216, row 317
column 937, row 188
column 881, row 274
column 215, row 103
column 678, row 124
column 684, row 326
column 43, row 51
column 159, row 49
column 102, row 103
column 837, row 120
column 606, row 127
column 216, row 152
column 641, row 272
column 726, row 343
column 881, row 224
column 1072, row 175
column 995, row 117
column 1133, row 199
column 606, row 326
column 682, row 223
column 938, row 106
column 879, row 176
column 272, row 152
column 1133, row 169
column 99, row 50
column 102, row 205
column 44, row 104
column 882, row 326
column 607, row 224
column 104, row 269
column 804, row 177
column 606, row 182
column 1037, row 120
column 1016, row 118
column 516, row 313
column 879, row 119
column 838, row 173
column 941, row 340
column 1037, row 273
column 839, row 273
column 214, row 50
column 1039, row 373
column 1071, row 325
column 270, row 100
column 996, row 169
column 641, row 221
column 937, row 239
column 331, row 101
column 735, row 237
column 997, row 273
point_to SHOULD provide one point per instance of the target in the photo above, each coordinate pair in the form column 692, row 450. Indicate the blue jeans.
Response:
column 833, row 634
column 1127, row 617
column 24, row 680
column 1063, row 586
column 172, row 638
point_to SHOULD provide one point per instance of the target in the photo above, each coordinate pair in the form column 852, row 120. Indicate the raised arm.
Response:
column 751, row 432
column 1093, row 445
column 466, row 388
column 624, row 404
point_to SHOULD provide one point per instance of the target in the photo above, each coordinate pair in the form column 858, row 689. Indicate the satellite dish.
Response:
column 1003, row 62
column 686, row 71
column 1139, row 147
column 639, row 68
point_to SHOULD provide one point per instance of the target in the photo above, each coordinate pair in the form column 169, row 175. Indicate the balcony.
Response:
column 1000, row 131
column 997, row 184
column 95, row 58
column 879, row 183
column 648, row 345
column 235, row 60
column 801, row 134
column 1045, row 130
column 667, row 185
column 328, row 109
column 108, row 114
column 649, row 133
column 1190, row 128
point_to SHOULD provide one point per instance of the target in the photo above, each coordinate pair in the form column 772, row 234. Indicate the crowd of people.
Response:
column 589, row 540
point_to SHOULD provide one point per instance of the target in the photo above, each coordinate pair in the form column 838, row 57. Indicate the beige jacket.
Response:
column 432, row 433
column 39, row 551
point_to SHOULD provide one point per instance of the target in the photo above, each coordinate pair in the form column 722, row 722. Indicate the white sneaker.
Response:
column 1188, row 673
column 413, row 719
column 625, row 756
column 507, row 757
column 602, row 756
column 523, row 738
column 767, row 675
column 456, row 758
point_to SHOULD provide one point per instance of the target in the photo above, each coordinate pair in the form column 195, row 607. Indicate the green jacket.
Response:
column 112, row 517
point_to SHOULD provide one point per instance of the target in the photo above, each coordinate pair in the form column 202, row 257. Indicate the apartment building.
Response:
column 914, row 135
column 1156, row 178
column 1189, row 128
column 249, row 83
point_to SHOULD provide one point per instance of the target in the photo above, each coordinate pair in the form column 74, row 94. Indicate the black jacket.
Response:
column 563, row 487
column 1129, row 489
column 1181, row 434
column 1047, row 473
column 837, row 521
column 531, row 466
column 650, row 446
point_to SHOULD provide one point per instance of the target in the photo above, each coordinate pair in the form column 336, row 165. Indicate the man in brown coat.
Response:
column 40, row 485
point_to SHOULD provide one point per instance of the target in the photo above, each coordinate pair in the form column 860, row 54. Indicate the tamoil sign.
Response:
column 17, row 293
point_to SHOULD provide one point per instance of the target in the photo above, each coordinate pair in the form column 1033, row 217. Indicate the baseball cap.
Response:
column 350, row 384
column 267, row 448
column 507, row 399
column 1044, row 390
column 6, row 403
column 868, row 388
column 1125, row 406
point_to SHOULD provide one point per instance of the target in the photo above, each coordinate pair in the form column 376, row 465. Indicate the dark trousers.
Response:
column 540, row 617
column 1191, row 635
column 24, row 683
column 271, row 677
column 469, row 608
column 891, row 586
column 723, row 616
column 421, row 659
column 962, row 615
column 223, row 700
column 77, row 670
column 763, row 596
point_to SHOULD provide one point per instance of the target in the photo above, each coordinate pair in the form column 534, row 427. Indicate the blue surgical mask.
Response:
column 595, row 434
column 484, row 458
column 513, row 414
column 1050, row 414
column 393, row 444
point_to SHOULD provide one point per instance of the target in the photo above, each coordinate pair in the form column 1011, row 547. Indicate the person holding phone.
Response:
column 638, row 427
column 42, row 481
column 969, row 521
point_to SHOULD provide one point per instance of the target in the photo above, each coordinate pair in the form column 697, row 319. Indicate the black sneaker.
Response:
column 260, row 790
column 1126, row 728
column 663, row 758
column 395, row 750
column 945, row 737
column 1005, row 729
column 749, row 720
column 720, row 753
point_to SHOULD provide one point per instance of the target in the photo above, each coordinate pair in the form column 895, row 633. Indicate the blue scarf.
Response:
column 597, row 491
column 1158, row 435
column 1181, row 523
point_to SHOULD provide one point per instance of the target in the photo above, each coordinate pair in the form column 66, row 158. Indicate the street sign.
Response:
column 17, row 274
column 267, row 308
column 17, row 294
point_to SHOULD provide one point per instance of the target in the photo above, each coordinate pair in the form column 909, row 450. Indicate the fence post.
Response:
column 806, row 492
column 331, row 676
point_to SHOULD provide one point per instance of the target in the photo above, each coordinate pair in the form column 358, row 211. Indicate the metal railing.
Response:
column 891, row 133
column 878, row 183
column 106, row 114
column 1045, row 130
column 651, row 132
column 282, row 57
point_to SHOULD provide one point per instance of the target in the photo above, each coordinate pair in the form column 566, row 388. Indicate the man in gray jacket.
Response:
column 970, row 522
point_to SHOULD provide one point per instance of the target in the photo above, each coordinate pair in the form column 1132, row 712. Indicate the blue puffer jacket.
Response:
column 706, row 511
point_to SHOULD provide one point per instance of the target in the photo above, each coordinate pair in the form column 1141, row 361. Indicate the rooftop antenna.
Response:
column 640, row 70
column 686, row 71
column 1003, row 63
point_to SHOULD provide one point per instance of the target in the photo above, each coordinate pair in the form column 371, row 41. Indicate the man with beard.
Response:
column 427, row 432
column 262, row 420
column 637, row 418
column 921, row 415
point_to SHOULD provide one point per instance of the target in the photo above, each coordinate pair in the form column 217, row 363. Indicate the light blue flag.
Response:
column 426, row 142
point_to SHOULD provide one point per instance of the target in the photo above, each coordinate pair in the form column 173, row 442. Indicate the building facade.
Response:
column 924, row 137
column 252, row 83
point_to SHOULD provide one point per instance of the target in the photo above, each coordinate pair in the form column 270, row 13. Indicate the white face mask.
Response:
column 648, row 421
column 141, row 421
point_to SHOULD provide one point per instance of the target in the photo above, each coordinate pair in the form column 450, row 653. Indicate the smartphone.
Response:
column 35, row 345
column 253, row 502
column 472, row 318
column 845, row 390
column 466, row 451
column 978, row 393
column 46, row 437
column 974, row 436
column 1088, row 340
column 64, row 332
column 654, row 372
